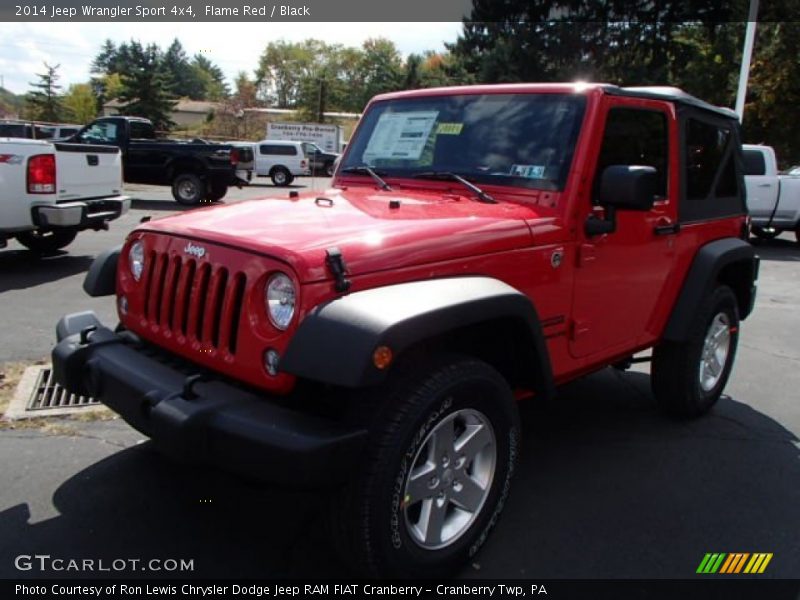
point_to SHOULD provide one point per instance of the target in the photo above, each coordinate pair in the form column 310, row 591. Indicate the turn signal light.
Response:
column 382, row 357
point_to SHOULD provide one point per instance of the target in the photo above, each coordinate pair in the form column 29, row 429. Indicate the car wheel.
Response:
column 435, row 475
column 280, row 176
column 216, row 191
column 188, row 189
column 46, row 241
column 766, row 233
column 329, row 169
column 688, row 377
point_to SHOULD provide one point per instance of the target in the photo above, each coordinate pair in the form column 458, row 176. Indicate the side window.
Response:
column 712, row 169
column 635, row 137
column 709, row 161
column 277, row 149
column 140, row 131
column 754, row 163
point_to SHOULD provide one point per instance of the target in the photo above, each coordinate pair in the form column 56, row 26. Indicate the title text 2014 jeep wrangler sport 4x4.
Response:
column 478, row 245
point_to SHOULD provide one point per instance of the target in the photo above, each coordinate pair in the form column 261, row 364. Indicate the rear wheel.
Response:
column 280, row 176
column 216, row 191
column 435, row 475
column 46, row 241
column 188, row 189
column 688, row 377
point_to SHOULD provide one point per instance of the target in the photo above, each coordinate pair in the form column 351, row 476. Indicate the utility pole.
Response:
column 747, row 54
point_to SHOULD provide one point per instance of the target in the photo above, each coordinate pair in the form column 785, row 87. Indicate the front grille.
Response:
column 199, row 302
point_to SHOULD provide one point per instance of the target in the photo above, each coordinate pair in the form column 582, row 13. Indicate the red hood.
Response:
column 427, row 227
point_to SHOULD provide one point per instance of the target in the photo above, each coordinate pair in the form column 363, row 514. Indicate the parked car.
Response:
column 38, row 131
column 51, row 191
column 281, row 161
column 479, row 245
column 772, row 199
column 197, row 172
column 320, row 162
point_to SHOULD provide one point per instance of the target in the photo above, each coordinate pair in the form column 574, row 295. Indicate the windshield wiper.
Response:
column 368, row 170
column 482, row 196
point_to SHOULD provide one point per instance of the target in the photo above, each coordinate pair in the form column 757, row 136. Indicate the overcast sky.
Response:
column 233, row 46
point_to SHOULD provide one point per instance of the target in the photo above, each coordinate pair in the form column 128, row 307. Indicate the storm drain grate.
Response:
column 38, row 395
column 49, row 394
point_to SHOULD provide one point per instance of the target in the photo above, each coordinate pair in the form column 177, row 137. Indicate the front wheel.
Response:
column 436, row 474
column 46, row 241
column 688, row 377
column 188, row 189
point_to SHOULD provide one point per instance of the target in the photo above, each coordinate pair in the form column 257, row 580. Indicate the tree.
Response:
column 146, row 88
column 283, row 69
column 209, row 79
column 44, row 102
column 79, row 103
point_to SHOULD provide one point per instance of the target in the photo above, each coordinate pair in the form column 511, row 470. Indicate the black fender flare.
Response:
column 707, row 270
column 335, row 342
column 101, row 279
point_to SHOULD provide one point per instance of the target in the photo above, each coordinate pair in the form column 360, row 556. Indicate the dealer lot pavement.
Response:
column 606, row 487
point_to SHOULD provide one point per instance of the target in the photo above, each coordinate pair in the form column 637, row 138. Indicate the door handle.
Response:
column 764, row 185
column 667, row 228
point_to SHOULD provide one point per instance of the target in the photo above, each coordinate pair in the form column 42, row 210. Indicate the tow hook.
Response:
column 85, row 332
column 189, row 383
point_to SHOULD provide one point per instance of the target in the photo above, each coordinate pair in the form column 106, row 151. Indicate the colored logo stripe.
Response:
column 734, row 563
column 710, row 563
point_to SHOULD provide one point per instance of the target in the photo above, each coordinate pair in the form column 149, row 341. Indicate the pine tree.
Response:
column 147, row 89
column 44, row 102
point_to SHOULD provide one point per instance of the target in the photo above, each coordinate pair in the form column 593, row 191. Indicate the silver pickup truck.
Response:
column 773, row 200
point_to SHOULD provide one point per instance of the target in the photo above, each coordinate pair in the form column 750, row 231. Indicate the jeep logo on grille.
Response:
column 193, row 250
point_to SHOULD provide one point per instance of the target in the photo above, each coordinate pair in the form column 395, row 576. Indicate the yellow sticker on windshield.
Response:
column 449, row 128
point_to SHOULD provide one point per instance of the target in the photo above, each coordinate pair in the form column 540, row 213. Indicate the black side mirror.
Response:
column 630, row 187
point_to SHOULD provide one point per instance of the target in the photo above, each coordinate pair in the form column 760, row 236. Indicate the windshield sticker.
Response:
column 529, row 171
column 449, row 128
column 400, row 135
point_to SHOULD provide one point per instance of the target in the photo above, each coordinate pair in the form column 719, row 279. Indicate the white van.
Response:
column 280, row 160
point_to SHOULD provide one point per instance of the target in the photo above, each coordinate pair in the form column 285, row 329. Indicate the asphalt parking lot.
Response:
column 607, row 488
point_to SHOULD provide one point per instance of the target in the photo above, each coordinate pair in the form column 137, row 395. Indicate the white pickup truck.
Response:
column 51, row 191
column 772, row 199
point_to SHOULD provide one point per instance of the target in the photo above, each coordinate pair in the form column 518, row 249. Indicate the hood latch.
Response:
column 338, row 268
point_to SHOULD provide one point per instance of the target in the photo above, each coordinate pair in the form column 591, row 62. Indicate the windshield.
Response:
column 522, row 140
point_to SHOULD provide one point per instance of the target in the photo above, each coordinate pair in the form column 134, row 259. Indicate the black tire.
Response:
column 216, row 191
column 329, row 169
column 281, row 177
column 683, row 382
column 766, row 233
column 374, row 527
column 46, row 241
column 188, row 189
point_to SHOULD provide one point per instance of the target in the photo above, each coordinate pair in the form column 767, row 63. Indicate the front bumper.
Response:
column 83, row 214
column 202, row 421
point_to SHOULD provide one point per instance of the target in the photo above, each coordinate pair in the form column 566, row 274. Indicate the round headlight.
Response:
column 136, row 259
column 280, row 300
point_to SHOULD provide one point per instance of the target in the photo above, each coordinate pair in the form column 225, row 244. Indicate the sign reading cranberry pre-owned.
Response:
column 327, row 137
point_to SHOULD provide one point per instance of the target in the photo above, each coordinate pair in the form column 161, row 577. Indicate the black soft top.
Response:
column 672, row 94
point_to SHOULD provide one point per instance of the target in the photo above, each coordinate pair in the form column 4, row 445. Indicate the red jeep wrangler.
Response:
column 478, row 245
